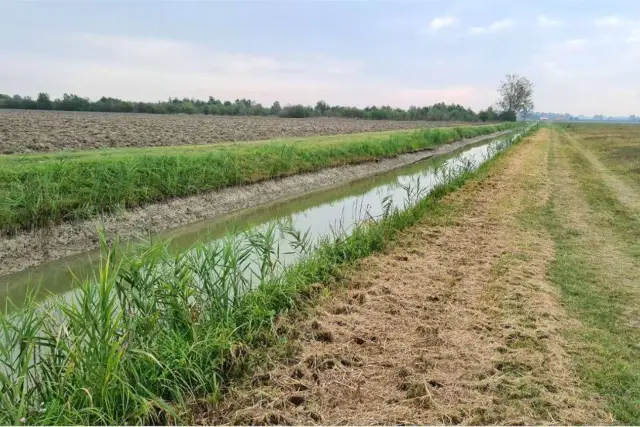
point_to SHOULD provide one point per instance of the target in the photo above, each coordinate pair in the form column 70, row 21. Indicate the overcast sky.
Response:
column 583, row 56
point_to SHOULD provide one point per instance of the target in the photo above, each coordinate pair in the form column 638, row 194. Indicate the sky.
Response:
column 583, row 56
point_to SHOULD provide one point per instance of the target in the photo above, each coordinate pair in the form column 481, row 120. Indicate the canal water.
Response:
column 320, row 213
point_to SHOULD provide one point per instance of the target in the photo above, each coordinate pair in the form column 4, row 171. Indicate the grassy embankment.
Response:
column 39, row 190
column 159, row 331
column 594, row 218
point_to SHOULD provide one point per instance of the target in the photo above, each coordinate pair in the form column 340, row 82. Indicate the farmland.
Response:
column 506, row 295
column 46, row 131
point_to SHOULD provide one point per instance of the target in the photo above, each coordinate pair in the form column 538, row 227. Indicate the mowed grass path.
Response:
column 597, row 264
column 43, row 189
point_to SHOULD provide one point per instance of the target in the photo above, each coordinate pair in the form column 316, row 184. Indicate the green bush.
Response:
column 296, row 111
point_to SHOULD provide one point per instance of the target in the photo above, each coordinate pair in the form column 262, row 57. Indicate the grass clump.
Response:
column 40, row 190
column 156, row 332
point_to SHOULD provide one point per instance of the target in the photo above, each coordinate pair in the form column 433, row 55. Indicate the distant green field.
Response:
column 42, row 189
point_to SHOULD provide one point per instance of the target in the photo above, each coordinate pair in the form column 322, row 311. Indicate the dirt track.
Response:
column 457, row 324
column 42, row 131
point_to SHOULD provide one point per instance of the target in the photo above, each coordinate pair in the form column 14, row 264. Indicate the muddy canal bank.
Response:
column 28, row 249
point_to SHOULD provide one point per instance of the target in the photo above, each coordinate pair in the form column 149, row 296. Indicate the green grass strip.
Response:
column 40, row 190
column 608, row 359
column 608, row 356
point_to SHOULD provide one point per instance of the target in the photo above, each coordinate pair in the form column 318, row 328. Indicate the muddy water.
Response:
column 322, row 212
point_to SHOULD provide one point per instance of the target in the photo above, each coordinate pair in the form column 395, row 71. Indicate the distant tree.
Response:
column 28, row 103
column 215, row 109
column 483, row 115
column 524, row 112
column 321, row 108
column 493, row 114
column 71, row 102
column 275, row 108
column 257, row 110
column 44, row 101
column 507, row 116
column 189, row 108
column 297, row 111
column 516, row 95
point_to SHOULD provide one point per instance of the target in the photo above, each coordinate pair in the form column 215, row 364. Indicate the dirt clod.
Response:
column 323, row 336
column 297, row 399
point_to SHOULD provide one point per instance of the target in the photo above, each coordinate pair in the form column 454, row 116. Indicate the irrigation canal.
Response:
column 320, row 213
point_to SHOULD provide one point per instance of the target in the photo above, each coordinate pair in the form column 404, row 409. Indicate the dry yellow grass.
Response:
column 458, row 323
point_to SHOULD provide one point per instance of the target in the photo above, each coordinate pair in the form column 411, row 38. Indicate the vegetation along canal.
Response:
column 320, row 213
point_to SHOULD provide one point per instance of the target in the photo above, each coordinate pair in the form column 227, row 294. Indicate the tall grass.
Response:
column 37, row 191
column 154, row 332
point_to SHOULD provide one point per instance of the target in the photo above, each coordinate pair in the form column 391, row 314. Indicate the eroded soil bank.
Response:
column 31, row 248
column 457, row 323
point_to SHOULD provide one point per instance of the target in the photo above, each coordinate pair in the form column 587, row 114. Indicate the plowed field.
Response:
column 47, row 131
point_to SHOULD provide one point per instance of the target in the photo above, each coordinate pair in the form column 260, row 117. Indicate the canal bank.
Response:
column 27, row 249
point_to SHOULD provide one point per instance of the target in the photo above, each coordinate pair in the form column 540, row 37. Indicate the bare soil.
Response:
column 30, row 248
column 458, row 323
column 47, row 131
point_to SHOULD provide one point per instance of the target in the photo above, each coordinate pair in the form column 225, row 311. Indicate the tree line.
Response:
column 247, row 107
column 515, row 98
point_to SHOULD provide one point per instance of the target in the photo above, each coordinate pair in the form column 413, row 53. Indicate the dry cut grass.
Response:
column 457, row 324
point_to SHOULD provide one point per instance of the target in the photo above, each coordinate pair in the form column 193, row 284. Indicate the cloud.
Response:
column 633, row 37
column 150, row 52
column 553, row 70
column 151, row 69
column 545, row 21
column 574, row 44
column 441, row 22
column 492, row 28
column 580, row 75
column 609, row 21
